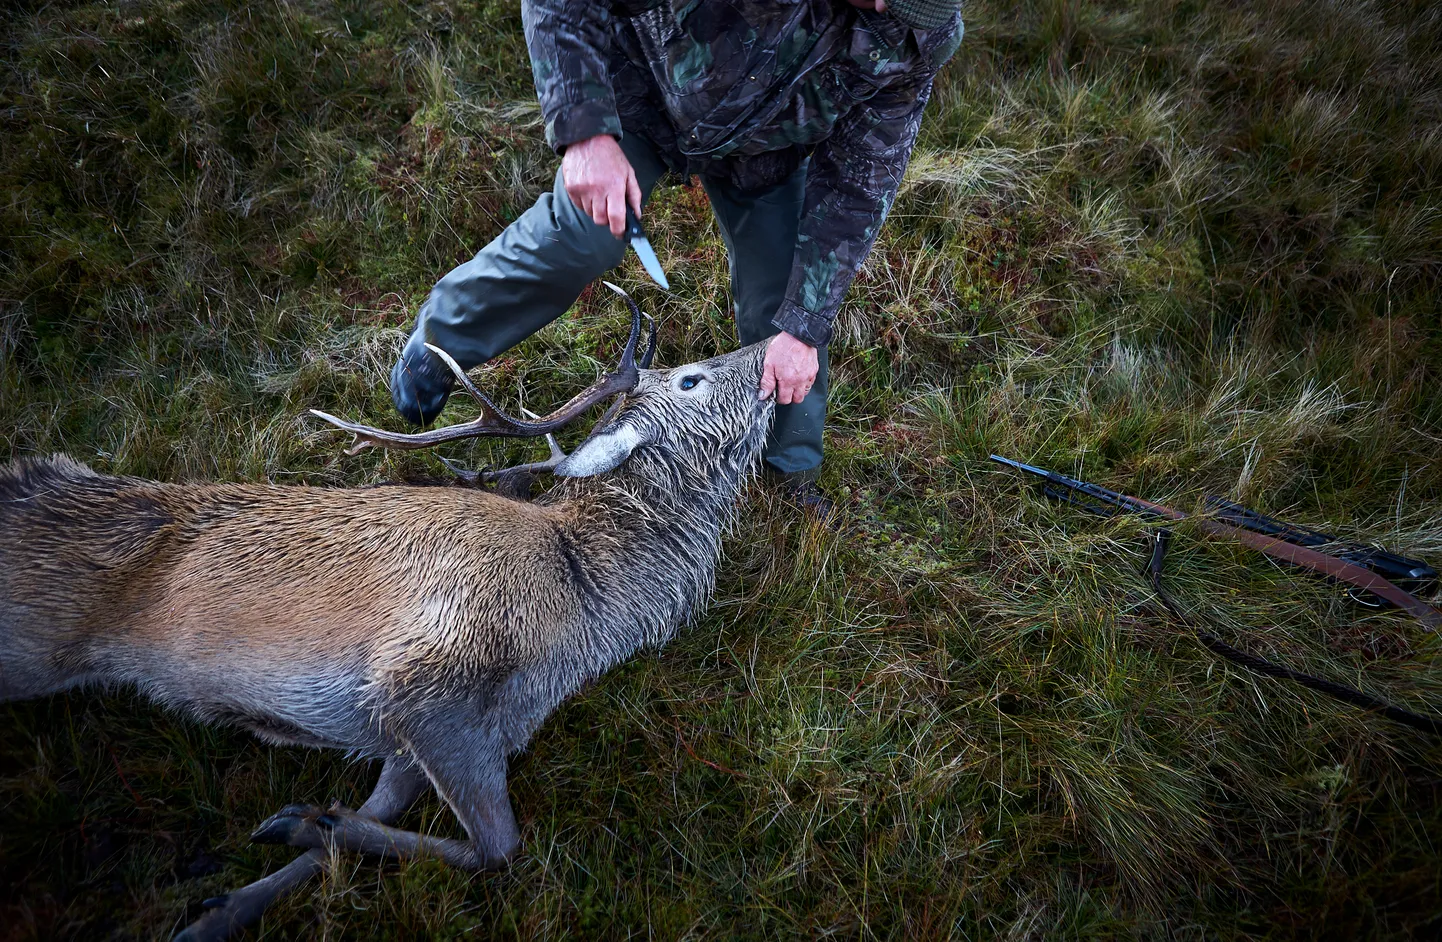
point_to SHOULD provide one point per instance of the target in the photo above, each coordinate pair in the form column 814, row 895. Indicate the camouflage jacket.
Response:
column 746, row 90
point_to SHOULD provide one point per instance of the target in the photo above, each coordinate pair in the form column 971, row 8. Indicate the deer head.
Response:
column 701, row 416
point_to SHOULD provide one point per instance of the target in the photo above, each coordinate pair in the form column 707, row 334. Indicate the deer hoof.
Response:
column 293, row 825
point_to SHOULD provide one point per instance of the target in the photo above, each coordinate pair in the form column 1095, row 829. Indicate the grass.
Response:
column 1174, row 247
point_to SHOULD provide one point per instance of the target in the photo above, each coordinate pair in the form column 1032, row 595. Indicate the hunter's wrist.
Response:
column 593, row 140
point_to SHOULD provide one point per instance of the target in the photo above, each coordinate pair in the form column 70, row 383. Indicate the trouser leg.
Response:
column 527, row 276
column 760, row 230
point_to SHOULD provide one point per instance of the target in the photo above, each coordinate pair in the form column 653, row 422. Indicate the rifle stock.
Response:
column 1273, row 546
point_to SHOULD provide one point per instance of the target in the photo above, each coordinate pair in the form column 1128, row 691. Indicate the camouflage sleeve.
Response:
column 853, row 178
column 570, row 42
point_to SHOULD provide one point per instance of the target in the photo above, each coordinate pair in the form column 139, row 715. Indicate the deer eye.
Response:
column 690, row 382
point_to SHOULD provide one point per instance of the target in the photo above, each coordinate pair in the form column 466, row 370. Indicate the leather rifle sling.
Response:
column 1311, row 559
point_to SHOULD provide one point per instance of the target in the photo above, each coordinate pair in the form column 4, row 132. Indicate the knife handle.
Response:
column 633, row 225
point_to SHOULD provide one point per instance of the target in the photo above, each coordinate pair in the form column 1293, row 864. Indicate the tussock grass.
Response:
column 1176, row 248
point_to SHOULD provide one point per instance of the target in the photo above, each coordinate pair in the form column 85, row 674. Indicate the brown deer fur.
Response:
column 433, row 627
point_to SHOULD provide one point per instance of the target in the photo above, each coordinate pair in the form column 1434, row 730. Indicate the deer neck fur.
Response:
column 650, row 534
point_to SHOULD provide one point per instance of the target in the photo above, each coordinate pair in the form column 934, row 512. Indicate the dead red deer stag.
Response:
column 431, row 628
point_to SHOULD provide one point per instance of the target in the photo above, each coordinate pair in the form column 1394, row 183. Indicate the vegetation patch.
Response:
column 1175, row 248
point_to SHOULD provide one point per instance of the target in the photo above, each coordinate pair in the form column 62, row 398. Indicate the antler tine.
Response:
column 488, row 476
column 650, row 344
column 492, row 421
column 461, row 471
column 628, row 356
column 555, row 457
column 636, row 315
column 461, row 376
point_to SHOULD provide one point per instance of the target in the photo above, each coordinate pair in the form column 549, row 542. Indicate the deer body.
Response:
column 433, row 627
column 292, row 611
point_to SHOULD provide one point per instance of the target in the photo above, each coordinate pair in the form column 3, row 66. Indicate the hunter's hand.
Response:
column 789, row 370
column 600, row 181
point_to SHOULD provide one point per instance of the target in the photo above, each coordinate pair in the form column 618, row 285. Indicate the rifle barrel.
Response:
column 1023, row 467
column 1095, row 491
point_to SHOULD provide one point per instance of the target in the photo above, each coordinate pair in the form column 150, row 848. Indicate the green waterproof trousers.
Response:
column 533, row 272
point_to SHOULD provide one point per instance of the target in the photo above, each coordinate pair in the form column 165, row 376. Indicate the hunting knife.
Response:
column 637, row 237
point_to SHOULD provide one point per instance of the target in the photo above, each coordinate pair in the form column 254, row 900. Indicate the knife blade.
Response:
column 637, row 237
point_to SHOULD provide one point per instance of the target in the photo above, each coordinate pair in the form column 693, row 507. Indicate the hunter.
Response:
column 798, row 116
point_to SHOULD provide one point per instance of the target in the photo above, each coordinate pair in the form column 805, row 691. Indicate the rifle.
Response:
column 1361, row 566
column 1409, row 575
column 1378, row 578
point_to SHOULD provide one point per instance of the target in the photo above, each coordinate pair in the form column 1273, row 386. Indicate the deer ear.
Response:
column 602, row 452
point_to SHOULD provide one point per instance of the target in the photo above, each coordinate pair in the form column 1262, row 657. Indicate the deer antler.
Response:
column 636, row 312
column 533, row 467
column 492, row 421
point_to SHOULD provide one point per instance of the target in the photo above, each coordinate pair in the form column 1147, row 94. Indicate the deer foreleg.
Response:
column 468, row 770
column 310, row 826
column 400, row 784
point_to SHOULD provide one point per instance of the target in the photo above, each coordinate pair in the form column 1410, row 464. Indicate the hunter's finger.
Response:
column 633, row 193
column 581, row 197
column 616, row 211
column 596, row 207
column 587, row 205
column 768, row 382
